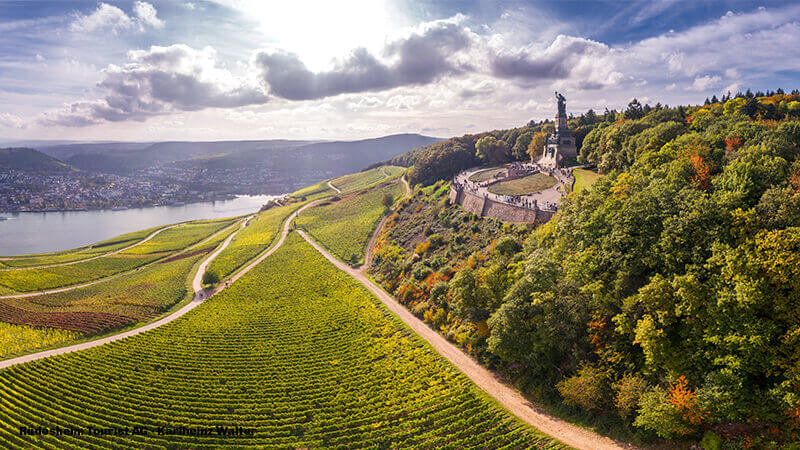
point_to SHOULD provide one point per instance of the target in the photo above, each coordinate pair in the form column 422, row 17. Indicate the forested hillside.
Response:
column 664, row 301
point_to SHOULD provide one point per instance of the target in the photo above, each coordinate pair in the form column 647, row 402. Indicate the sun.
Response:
column 320, row 31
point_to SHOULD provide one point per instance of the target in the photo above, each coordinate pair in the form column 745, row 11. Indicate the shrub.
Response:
column 587, row 389
column 658, row 414
column 508, row 246
column 628, row 391
column 210, row 278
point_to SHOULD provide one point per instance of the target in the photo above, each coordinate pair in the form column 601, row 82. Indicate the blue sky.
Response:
column 246, row 69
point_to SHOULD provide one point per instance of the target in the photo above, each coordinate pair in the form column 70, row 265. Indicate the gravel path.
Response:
column 334, row 188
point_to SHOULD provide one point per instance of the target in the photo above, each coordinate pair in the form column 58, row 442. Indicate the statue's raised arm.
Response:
column 562, row 104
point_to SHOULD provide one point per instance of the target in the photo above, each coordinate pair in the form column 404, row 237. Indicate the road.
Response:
column 151, row 236
column 334, row 188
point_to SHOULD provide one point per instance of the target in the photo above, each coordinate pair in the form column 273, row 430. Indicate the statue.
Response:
column 562, row 104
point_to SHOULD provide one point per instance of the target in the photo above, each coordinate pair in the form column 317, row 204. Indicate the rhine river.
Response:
column 39, row 232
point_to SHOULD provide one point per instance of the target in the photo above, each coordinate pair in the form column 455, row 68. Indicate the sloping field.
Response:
column 356, row 181
column 254, row 239
column 78, row 254
column 295, row 352
column 173, row 239
column 344, row 226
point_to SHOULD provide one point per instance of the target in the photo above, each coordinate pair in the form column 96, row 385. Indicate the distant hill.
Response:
column 290, row 155
column 30, row 160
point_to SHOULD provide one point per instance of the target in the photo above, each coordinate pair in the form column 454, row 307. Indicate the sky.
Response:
column 352, row 69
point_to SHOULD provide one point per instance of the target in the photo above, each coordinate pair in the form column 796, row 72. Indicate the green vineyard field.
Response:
column 344, row 226
column 357, row 181
column 254, row 239
column 303, row 358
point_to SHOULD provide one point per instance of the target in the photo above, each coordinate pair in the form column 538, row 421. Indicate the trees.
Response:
column 490, row 150
column 523, row 142
column 536, row 145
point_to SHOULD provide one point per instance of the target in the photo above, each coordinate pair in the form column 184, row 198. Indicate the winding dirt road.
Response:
column 338, row 191
column 151, row 236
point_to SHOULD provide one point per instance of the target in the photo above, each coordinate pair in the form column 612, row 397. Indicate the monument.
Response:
column 560, row 144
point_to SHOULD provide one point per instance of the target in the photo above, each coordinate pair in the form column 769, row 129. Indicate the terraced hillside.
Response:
column 260, row 232
column 51, row 276
column 33, row 322
column 361, row 180
column 302, row 358
column 345, row 223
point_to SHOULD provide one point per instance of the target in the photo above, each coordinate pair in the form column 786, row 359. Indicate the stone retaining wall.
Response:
column 485, row 207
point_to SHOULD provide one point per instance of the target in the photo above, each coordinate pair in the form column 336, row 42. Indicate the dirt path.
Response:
column 334, row 188
column 200, row 295
column 111, row 277
column 507, row 396
column 151, row 236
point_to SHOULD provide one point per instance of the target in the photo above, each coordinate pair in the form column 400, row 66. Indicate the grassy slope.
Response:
column 357, row 181
column 254, row 239
column 525, row 185
column 484, row 175
column 313, row 192
column 52, row 277
column 584, row 179
column 306, row 358
column 345, row 226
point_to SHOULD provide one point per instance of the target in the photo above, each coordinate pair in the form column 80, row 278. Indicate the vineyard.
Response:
column 254, row 239
column 358, row 181
column 100, row 248
column 18, row 339
column 302, row 358
column 344, row 224
column 173, row 239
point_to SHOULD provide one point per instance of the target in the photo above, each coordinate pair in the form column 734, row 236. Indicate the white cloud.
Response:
column 159, row 81
column 11, row 121
column 110, row 18
column 704, row 83
column 105, row 17
column 39, row 57
column 146, row 13
column 189, row 5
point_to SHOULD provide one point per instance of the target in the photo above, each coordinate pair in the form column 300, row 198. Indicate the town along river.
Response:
column 40, row 232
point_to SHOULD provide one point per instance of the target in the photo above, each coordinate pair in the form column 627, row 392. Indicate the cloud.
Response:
column 110, row 18
column 420, row 58
column 147, row 14
column 158, row 81
column 585, row 63
column 11, row 121
column 704, row 83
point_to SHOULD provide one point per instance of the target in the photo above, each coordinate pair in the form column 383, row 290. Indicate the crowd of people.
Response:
column 564, row 176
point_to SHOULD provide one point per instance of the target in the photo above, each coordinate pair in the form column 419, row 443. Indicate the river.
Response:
column 40, row 232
